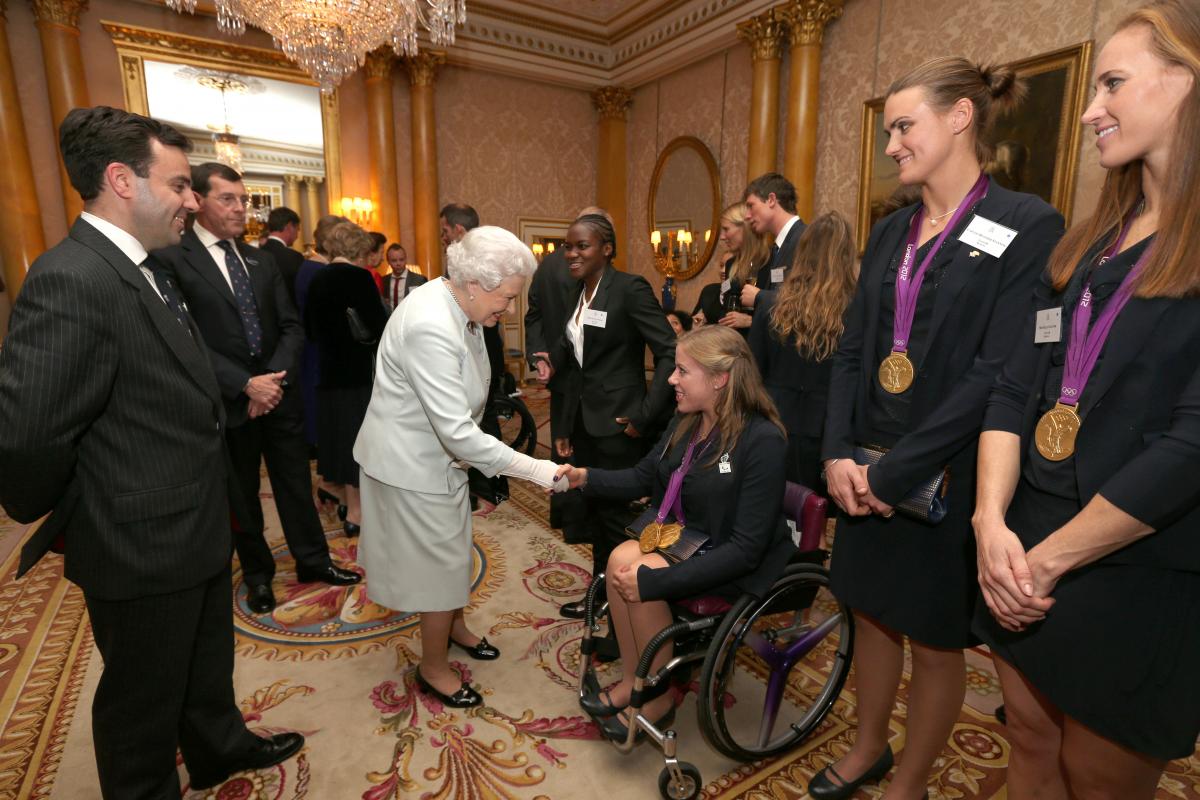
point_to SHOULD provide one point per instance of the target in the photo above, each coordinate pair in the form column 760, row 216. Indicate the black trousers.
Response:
column 277, row 437
column 167, row 684
column 606, row 518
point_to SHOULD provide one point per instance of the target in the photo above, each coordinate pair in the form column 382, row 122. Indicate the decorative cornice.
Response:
column 380, row 62
column 422, row 68
column 807, row 19
column 59, row 12
column 765, row 34
column 612, row 101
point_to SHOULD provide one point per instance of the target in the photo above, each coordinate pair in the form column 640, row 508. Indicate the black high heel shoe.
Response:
column 483, row 651
column 351, row 529
column 596, row 706
column 618, row 731
column 465, row 697
column 342, row 512
column 822, row 788
column 325, row 497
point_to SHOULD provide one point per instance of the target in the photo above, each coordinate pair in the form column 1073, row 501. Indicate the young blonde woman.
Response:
column 745, row 252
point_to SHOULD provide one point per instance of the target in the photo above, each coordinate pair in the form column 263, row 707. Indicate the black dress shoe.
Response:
column 260, row 599
column 822, row 788
column 483, row 651
column 600, row 705
column 267, row 753
column 618, row 731
column 351, row 528
column 575, row 610
column 334, row 576
column 465, row 697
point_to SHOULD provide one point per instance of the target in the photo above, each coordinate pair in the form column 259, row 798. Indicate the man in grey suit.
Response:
column 111, row 422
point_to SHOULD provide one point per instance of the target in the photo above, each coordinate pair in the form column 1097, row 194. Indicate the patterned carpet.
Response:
column 331, row 664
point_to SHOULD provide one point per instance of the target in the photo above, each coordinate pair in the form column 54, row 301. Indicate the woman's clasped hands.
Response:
column 1016, row 585
column 848, row 486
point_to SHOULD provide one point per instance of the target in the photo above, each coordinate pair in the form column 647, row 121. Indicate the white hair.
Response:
column 488, row 255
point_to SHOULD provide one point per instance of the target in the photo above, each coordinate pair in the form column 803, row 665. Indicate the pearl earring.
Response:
column 470, row 297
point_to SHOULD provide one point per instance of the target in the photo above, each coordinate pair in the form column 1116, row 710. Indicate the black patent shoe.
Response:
column 483, row 651
column 465, row 697
column 330, row 574
column 260, row 599
column 351, row 529
column 617, row 731
column 600, row 705
column 822, row 788
column 575, row 610
column 267, row 752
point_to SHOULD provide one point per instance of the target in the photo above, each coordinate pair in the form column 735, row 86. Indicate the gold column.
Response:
column 381, row 141
column 21, row 239
column 312, row 205
column 806, row 20
column 764, row 33
column 291, row 199
column 58, row 28
column 612, row 103
column 421, row 71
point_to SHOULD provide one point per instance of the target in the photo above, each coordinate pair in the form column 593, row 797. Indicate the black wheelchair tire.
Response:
column 692, row 783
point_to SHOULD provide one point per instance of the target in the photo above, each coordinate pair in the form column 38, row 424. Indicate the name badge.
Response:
column 990, row 237
column 725, row 286
column 777, row 275
column 593, row 317
column 724, row 467
column 1048, row 326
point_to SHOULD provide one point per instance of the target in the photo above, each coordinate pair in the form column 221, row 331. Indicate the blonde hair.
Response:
column 818, row 287
column 1171, row 268
column 349, row 241
column 324, row 225
column 755, row 249
column 722, row 351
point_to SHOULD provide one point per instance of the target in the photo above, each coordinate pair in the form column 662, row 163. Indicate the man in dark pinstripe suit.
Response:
column 111, row 422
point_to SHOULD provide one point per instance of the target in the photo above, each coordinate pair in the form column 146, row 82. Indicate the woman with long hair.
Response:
column 795, row 334
column 945, row 285
column 745, row 252
column 729, row 443
column 1087, row 514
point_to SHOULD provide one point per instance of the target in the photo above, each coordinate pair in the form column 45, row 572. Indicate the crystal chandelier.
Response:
column 330, row 39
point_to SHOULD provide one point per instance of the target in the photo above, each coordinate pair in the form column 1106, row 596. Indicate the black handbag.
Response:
column 690, row 542
column 358, row 329
column 927, row 502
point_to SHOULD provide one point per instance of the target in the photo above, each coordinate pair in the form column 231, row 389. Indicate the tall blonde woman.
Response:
column 420, row 434
column 745, row 252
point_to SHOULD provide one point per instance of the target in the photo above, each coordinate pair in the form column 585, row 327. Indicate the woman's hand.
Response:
column 749, row 295
column 872, row 502
column 848, row 487
column 576, row 477
column 736, row 319
column 1008, row 585
column 625, row 580
column 1042, row 571
column 563, row 447
column 630, row 431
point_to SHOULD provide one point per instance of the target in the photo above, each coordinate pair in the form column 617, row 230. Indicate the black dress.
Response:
column 915, row 578
column 1120, row 649
column 346, row 366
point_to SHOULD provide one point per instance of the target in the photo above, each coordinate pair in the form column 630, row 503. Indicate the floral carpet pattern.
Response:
column 333, row 665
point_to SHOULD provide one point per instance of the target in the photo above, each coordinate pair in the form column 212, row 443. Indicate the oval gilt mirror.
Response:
column 684, row 205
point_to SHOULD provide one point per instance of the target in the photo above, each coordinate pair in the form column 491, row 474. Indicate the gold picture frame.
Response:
column 135, row 45
column 1057, row 83
column 714, row 181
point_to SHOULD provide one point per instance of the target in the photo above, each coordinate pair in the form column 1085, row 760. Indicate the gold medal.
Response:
column 896, row 373
column 648, row 541
column 670, row 534
column 1056, row 432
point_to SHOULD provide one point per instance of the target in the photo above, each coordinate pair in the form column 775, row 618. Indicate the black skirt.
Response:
column 340, row 413
column 1119, row 651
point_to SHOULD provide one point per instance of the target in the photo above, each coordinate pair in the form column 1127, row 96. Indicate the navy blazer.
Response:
column 978, row 312
column 798, row 384
column 1139, row 444
column 741, row 511
column 783, row 256
column 212, row 305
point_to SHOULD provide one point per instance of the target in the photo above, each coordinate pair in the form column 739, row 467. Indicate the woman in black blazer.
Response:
column 732, row 492
column 746, row 251
column 967, row 295
column 1089, row 559
column 346, row 365
column 600, row 374
column 795, row 333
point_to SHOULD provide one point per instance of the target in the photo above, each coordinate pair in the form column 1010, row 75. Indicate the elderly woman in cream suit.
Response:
column 420, row 434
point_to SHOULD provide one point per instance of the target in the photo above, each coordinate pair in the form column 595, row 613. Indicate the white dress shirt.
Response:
column 785, row 230
column 575, row 323
column 209, row 240
column 125, row 242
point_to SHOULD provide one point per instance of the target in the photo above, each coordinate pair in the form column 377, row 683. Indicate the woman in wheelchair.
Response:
column 719, row 472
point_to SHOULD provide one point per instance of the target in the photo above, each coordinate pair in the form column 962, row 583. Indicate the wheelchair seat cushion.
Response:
column 707, row 606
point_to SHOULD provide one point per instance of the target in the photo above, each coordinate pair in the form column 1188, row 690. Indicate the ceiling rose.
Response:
column 330, row 39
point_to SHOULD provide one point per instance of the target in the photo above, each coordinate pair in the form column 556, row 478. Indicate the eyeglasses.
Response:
column 231, row 200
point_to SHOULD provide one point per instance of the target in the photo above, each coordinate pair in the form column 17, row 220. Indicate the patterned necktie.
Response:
column 170, row 294
column 244, row 295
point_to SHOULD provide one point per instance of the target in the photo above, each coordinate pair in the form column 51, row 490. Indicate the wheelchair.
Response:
column 770, row 667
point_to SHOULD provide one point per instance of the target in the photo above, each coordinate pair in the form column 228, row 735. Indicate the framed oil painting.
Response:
column 1037, row 146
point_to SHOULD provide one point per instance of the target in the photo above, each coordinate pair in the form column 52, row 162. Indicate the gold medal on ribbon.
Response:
column 648, row 541
column 896, row 373
column 1056, row 432
column 669, row 535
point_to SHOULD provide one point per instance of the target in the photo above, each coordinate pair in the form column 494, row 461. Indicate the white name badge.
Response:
column 777, row 275
column 990, row 237
column 594, row 317
column 1048, row 326
column 725, row 286
column 724, row 466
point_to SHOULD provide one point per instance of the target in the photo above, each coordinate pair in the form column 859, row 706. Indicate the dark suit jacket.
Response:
column 740, row 510
column 798, row 384
column 612, row 381
column 1139, row 445
column 783, row 256
column 411, row 282
column 288, row 261
column 546, row 313
column 111, row 422
column 215, row 310
column 978, row 313
column 344, row 361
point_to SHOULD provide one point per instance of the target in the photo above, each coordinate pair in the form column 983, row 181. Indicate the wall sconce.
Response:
column 538, row 251
column 359, row 210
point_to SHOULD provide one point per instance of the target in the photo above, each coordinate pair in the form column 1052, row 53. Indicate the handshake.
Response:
column 567, row 476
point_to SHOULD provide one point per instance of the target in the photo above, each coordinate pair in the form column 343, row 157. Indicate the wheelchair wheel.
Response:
column 686, row 788
column 776, row 666
column 518, row 429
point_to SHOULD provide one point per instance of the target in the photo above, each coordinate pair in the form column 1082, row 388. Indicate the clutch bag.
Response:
column 664, row 540
column 927, row 502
